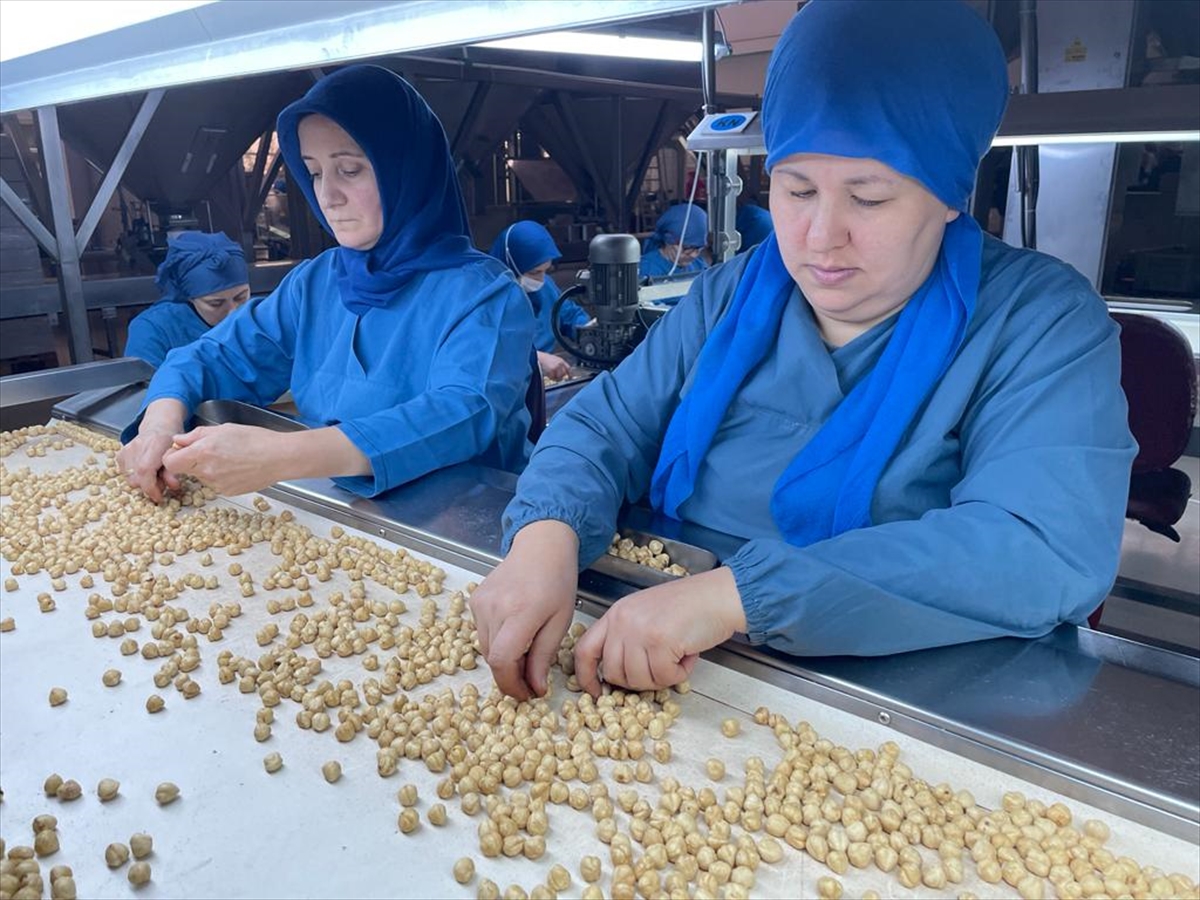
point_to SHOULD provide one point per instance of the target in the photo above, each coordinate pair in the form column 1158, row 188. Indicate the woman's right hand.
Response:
column 141, row 459
column 553, row 366
column 524, row 607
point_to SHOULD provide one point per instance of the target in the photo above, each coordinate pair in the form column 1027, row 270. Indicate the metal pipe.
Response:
column 1027, row 157
column 708, row 86
column 708, row 60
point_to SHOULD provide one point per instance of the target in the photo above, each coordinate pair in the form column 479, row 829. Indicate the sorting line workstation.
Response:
column 1104, row 727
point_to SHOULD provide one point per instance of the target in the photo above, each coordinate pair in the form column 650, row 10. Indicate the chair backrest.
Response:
column 1158, row 374
column 535, row 401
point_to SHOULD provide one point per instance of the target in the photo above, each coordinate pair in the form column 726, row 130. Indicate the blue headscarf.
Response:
column 198, row 264
column 424, row 217
column 523, row 246
column 669, row 229
column 919, row 86
column 754, row 225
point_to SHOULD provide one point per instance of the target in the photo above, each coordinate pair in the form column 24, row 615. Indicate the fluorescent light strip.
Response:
column 591, row 44
column 1110, row 137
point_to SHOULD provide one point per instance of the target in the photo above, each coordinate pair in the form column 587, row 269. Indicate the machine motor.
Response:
column 611, row 286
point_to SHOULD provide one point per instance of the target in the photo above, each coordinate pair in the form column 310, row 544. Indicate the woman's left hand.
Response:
column 230, row 459
column 652, row 639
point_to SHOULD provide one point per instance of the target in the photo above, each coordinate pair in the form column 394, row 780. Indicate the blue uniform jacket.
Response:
column 436, row 377
column 1001, row 512
column 655, row 265
column 569, row 316
column 156, row 331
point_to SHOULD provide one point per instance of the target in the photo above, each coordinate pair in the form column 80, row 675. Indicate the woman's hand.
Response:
column 142, row 458
column 652, row 639
column 230, row 459
column 524, row 607
column 553, row 366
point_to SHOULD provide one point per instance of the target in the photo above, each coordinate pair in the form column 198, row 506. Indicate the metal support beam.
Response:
column 115, row 171
column 470, row 117
column 430, row 67
column 598, row 183
column 1027, row 157
column 70, row 279
column 708, row 61
column 618, row 180
column 22, row 140
column 260, row 195
column 28, row 219
column 249, row 209
column 652, row 145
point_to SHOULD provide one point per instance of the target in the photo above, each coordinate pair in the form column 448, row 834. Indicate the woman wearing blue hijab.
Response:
column 406, row 350
column 203, row 279
column 529, row 252
column 754, row 225
column 675, row 246
column 919, row 431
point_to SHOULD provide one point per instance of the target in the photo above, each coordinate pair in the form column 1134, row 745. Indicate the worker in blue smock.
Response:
column 754, row 224
column 676, row 243
column 203, row 279
column 919, row 431
column 406, row 350
column 529, row 252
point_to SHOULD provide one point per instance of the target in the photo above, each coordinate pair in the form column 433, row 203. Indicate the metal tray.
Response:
column 694, row 559
column 578, row 375
column 220, row 412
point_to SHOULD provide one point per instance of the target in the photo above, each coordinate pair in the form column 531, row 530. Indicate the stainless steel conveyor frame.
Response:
column 1093, row 717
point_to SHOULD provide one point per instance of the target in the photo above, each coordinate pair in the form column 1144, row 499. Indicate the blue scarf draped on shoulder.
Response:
column 921, row 87
column 424, row 217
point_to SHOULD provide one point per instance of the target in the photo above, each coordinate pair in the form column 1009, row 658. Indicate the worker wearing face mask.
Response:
column 529, row 252
column 203, row 279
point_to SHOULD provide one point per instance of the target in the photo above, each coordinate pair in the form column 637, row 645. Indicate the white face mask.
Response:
column 531, row 285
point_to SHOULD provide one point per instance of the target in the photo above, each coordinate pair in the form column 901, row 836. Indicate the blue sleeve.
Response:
column 248, row 357
column 600, row 450
column 476, row 387
column 146, row 341
column 572, row 314
column 1031, row 538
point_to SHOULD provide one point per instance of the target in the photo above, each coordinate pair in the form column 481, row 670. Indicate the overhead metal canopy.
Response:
column 233, row 38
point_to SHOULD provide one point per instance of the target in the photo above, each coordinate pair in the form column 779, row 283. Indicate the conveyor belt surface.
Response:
column 238, row 831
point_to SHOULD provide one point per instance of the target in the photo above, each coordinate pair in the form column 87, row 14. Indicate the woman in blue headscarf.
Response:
column 405, row 349
column 203, row 279
column 529, row 252
column 675, row 246
column 754, row 225
column 918, row 431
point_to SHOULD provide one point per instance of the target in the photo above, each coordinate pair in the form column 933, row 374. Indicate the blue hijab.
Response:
column 523, row 246
column 754, row 225
column 424, row 217
column 669, row 229
column 198, row 264
column 919, row 86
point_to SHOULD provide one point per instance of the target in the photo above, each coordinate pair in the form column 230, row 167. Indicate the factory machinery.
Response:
column 1103, row 725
